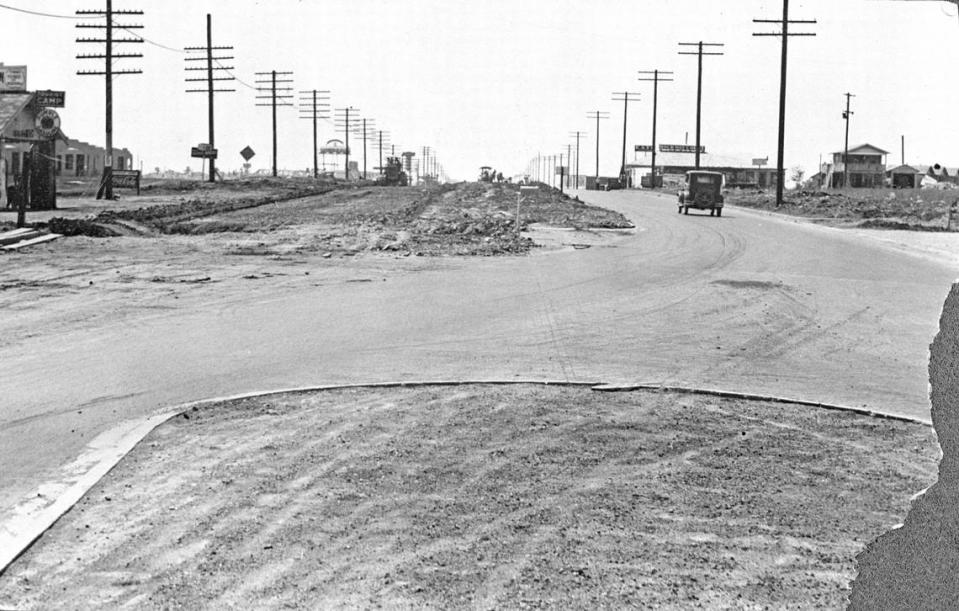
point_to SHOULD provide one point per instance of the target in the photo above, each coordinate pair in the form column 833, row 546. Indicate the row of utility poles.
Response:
column 702, row 49
column 274, row 89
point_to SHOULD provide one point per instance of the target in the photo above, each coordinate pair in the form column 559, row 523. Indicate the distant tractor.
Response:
column 393, row 174
column 703, row 191
column 487, row 174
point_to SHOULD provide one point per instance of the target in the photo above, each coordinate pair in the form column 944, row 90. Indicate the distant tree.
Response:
column 796, row 174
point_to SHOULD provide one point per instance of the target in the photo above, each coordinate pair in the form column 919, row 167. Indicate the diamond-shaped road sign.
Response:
column 247, row 153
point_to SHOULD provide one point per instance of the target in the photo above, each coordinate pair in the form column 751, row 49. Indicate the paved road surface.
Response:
column 747, row 302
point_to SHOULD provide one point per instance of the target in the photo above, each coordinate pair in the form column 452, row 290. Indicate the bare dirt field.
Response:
column 483, row 497
column 911, row 209
column 184, row 241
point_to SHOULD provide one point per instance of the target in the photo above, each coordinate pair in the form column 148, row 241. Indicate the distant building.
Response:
column 77, row 158
column 866, row 168
column 905, row 177
column 671, row 169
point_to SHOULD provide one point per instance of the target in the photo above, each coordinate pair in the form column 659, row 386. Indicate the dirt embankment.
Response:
column 459, row 219
column 483, row 497
column 913, row 209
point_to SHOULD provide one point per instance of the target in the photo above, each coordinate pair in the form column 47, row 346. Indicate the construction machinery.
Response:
column 393, row 174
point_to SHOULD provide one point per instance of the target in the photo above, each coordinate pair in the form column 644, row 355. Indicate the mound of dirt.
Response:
column 867, row 208
column 452, row 219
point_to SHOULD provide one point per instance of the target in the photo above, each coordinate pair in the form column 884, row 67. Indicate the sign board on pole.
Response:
column 50, row 99
column 247, row 153
column 333, row 150
column 680, row 148
column 13, row 78
column 561, row 169
column 760, row 161
column 209, row 153
column 644, row 148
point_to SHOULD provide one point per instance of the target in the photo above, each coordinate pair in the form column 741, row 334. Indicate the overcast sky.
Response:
column 496, row 82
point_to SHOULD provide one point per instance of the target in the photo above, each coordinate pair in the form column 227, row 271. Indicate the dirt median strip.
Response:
column 483, row 496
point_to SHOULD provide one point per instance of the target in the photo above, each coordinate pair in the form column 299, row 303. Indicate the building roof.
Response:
column 11, row 104
column 706, row 161
column 904, row 169
column 864, row 149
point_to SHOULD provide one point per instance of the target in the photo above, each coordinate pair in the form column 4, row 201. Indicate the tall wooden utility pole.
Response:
column 209, row 50
column 314, row 105
column 597, row 114
column 577, row 135
column 658, row 75
column 624, row 97
column 699, row 83
column 367, row 127
column 106, row 184
column 346, row 122
column 845, row 155
column 785, row 34
column 278, row 93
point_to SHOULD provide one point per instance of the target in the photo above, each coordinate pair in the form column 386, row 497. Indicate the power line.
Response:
column 40, row 14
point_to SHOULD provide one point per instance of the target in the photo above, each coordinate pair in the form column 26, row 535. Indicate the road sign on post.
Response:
column 760, row 161
column 203, row 153
column 247, row 153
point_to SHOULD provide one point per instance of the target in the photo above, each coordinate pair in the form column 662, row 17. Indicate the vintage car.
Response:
column 703, row 191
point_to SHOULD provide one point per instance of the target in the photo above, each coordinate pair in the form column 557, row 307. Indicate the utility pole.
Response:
column 845, row 155
column 577, row 135
column 699, row 82
column 623, row 96
column 365, row 133
column 785, row 34
column 380, row 133
column 278, row 96
column 344, row 120
column 658, row 75
column 562, row 173
column 597, row 114
column 314, row 105
column 569, row 161
column 209, row 49
column 106, row 184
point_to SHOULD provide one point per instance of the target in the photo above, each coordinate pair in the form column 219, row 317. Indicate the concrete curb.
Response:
column 37, row 514
column 768, row 398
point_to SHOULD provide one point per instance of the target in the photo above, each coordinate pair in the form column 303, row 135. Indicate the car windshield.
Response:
column 704, row 179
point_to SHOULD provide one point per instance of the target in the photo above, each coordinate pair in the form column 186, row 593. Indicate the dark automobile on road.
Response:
column 703, row 191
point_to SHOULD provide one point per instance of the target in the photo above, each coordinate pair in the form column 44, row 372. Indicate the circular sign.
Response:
column 47, row 123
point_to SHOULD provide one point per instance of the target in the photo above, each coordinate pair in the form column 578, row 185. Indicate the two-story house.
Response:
column 866, row 165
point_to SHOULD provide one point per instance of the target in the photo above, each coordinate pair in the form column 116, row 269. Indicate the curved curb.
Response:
column 726, row 394
column 35, row 515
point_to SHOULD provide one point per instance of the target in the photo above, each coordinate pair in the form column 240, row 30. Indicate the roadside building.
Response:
column 78, row 158
column 27, row 142
column 905, row 177
column 671, row 168
column 865, row 166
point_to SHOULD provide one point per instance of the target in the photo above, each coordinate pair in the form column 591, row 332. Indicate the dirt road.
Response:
column 483, row 497
column 111, row 330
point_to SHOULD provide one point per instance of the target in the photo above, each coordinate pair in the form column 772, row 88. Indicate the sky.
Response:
column 496, row 83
